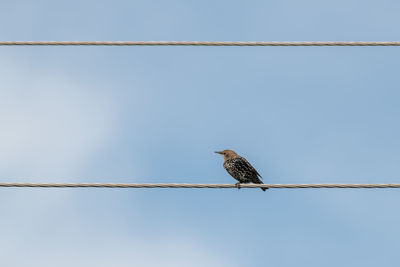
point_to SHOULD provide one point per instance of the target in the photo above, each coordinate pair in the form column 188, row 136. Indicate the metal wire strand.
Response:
column 192, row 43
column 174, row 185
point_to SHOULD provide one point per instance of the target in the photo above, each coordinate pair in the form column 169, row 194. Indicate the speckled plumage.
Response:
column 239, row 168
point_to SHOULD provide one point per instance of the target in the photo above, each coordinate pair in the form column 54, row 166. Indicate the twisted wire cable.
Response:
column 192, row 43
column 182, row 185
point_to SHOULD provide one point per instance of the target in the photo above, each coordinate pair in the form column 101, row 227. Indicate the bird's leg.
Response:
column 238, row 185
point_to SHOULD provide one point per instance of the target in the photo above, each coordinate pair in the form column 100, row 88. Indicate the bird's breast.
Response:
column 228, row 164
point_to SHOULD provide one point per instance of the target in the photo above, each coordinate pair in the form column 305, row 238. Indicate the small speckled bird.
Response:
column 240, row 169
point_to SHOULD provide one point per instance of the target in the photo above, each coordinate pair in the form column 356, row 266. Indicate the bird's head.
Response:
column 227, row 154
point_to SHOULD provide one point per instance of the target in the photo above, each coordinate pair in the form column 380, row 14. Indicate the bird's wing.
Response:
column 251, row 167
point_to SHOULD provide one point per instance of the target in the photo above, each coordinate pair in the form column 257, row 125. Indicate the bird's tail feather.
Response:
column 259, row 182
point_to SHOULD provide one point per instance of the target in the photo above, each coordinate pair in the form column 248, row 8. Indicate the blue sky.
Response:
column 157, row 114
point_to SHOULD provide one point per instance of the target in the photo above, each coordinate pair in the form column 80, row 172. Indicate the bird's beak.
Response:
column 218, row 152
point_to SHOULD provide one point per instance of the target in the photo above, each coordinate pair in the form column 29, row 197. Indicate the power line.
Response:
column 190, row 43
column 174, row 185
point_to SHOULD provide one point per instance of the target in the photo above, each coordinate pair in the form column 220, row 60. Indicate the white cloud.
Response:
column 49, row 123
column 48, row 229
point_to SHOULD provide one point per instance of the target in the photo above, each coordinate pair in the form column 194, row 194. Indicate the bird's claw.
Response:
column 237, row 185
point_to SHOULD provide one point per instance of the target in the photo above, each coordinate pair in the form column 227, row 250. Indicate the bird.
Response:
column 239, row 168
